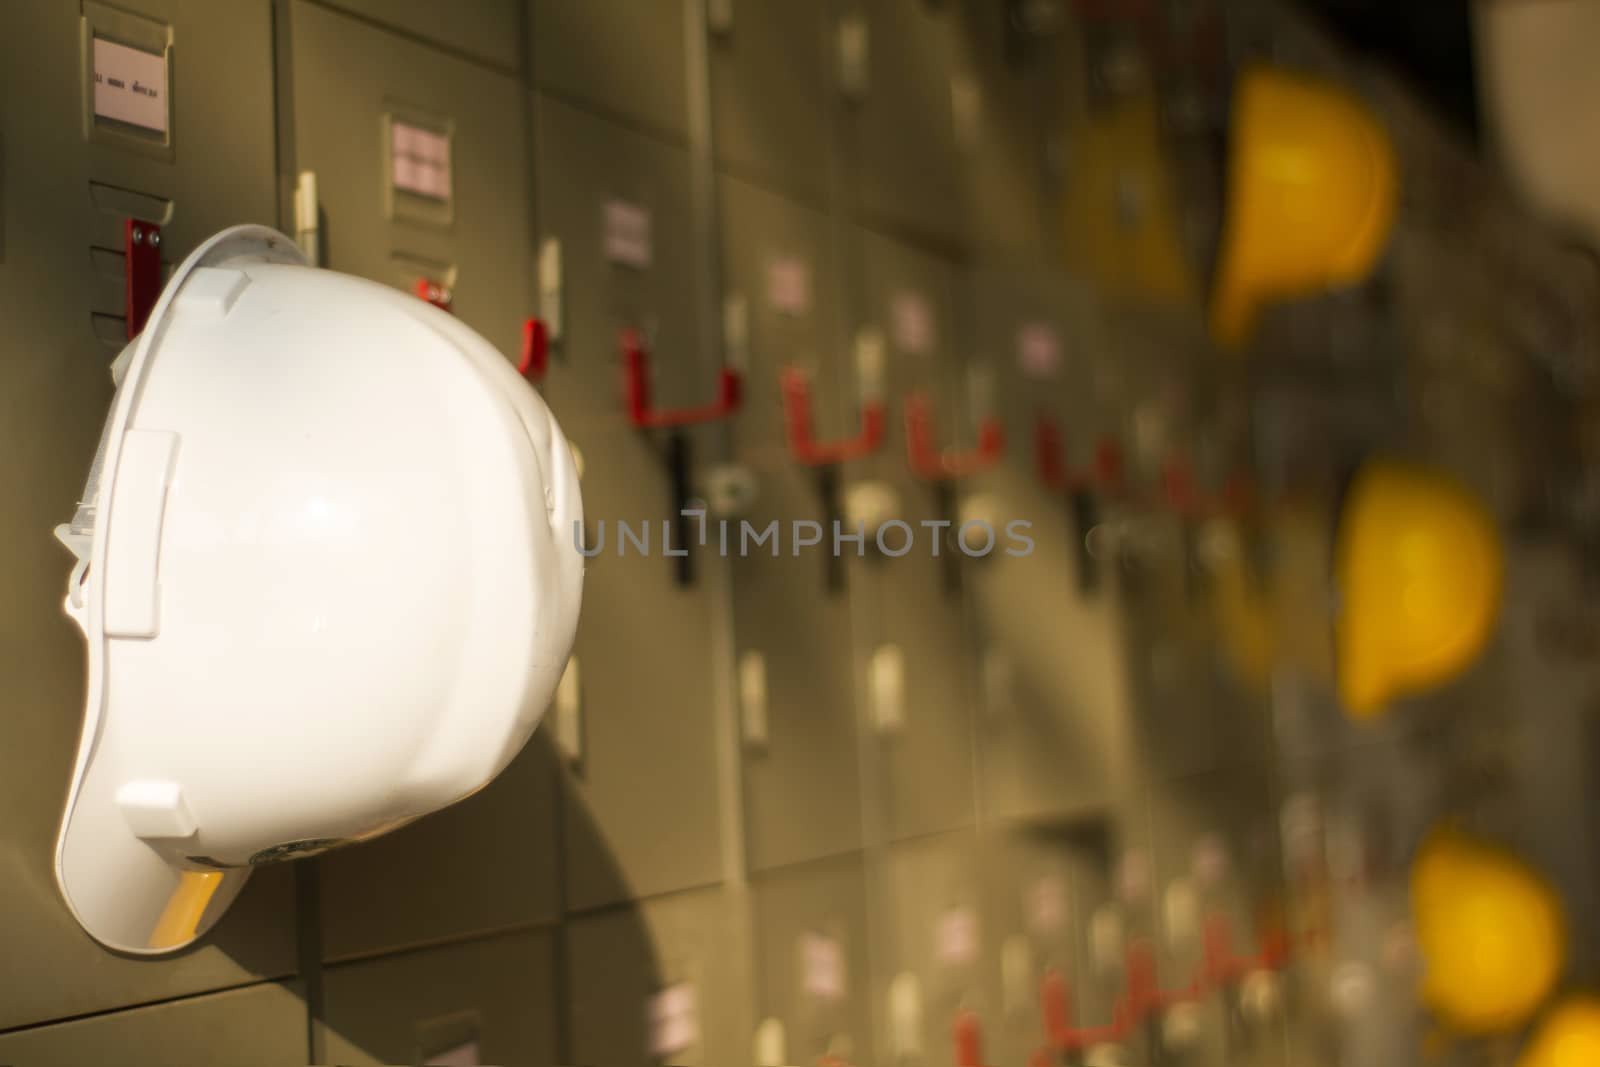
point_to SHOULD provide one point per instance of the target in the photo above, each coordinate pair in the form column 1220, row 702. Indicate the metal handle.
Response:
column 930, row 462
column 636, row 384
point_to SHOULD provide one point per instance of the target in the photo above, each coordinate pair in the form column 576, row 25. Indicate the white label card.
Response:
column 627, row 234
column 130, row 85
column 421, row 161
column 1038, row 350
column 1047, row 904
column 789, row 285
column 822, row 969
column 674, row 1020
column 956, row 939
column 911, row 321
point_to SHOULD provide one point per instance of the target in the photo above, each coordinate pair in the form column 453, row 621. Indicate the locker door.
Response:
column 619, row 58
column 791, row 612
column 934, row 960
column 903, row 138
column 427, row 882
column 360, row 95
column 489, row 1001
column 617, row 206
column 663, row 981
column 1052, row 703
column 257, row 1026
column 775, row 100
column 811, row 959
column 490, row 31
column 421, row 165
column 913, row 649
column 72, row 180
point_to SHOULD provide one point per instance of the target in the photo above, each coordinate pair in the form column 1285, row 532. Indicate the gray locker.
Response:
column 1052, row 698
column 641, row 816
column 490, row 30
column 913, row 648
column 776, row 105
column 256, row 1026
column 907, row 161
column 488, row 1001
column 812, row 976
column 662, row 981
column 617, row 205
column 618, row 57
column 796, row 696
column 421, row 166
column 933, row 963
column 71, row 182
column 487, row 863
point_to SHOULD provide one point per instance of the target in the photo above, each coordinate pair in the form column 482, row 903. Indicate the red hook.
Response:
column 636, row 385
column 434, row 293
column 927, row 461
column 141, row 248
column 1181, row 495
column 535, row 357
column 797, row 417
column 967, row 1035
column 1105, row 473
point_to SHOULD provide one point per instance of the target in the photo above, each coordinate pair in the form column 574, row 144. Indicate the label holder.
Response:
column 100, row 22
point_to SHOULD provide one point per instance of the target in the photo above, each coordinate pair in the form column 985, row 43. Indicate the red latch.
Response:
column 797, row 417
column 636, row 388
column 535, row 357
column 967, row 1035
column 141, row 247
column 928, row 461
column 1181, row 495
column 434, row 293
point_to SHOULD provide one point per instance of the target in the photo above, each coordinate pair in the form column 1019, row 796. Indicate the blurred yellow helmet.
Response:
column 1419, row 568
column 1490, row 930
column 1568, row 1037
column 1312, row 186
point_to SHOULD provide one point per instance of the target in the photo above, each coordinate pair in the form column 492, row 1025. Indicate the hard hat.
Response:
column 1568, row 1037
column 326, row 578
column 1419, row 569
column 1312, row 185
column 1490, row 930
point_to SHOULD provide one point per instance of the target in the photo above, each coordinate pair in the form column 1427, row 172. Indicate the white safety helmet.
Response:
column 327, row 577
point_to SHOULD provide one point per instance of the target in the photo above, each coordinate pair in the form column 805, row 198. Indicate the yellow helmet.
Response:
column 1312, row 185
column 1568, row 1037
column 1490, row 930
column 1419, row 568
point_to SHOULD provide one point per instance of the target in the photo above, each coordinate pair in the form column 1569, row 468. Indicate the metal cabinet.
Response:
column 621, row 58
column 427, row 882
column 775, row 100
column 616, row 252
column 933, row 990
column 913, row 650
column 487, row 1001
column 261, row 1025
column 663, row 981
column 638, row 735
column 421, row 165
column 812, row 993
column 791, row 618
column 908, row 99
column 490, row 31
column 72, row 180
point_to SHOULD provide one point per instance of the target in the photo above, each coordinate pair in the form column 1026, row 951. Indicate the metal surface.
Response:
column 490, row 31
column 619, row 58
column 62, row 301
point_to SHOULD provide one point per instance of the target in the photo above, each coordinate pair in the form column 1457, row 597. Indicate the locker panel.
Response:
column 488, row 1001
column 913, row 649
column 420, row 165
column 663, row 981
column 811, row 952
column 256, row 1026
column 490, row 31
column 53, row 399
column 508, row 828
column 931, row 949
column 774, row 98
column 903, row 138
column 618, row 205
column 623, row 59
column 642, row 815
column 802, row 786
